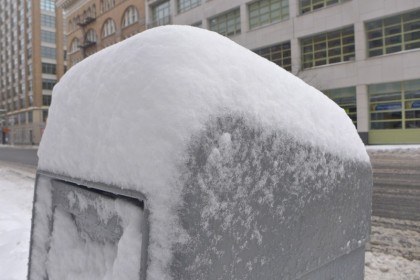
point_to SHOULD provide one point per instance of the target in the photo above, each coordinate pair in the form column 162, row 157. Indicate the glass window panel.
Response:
column 413, row 114
column 412, row 46
column 279, row 54
column 375, row 44
column 393, row 30
column 226, row 24
column 400, row 33
column 412, row 26
column 412, row 85
column 267, row 11
column 320, row 62
column 392, row 20
column 373, row 53
column 375, row 34
column 336, row 46
column 412, row 124
column 386, row 125
column 413, row 36
column 393, row 49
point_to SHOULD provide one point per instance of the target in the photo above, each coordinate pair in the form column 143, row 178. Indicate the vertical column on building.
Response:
column 362, row 105
column 362, row 99
column 294, row 42
column 244, row 18
column 148, row 14
column 174, row 10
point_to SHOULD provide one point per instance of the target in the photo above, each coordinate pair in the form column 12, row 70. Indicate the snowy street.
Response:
column 392, row 245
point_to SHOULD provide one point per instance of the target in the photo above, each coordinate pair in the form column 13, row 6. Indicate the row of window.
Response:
column 21, row 118
column 393, row 105
column 384, row 36
column 49, row 68
column 48, row 36
column 130, row 17
column 48, row 5
column 48, row 84
column 279, row 9
column 47, row 21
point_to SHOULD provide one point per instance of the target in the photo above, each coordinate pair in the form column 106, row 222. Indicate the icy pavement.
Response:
column 395, row 243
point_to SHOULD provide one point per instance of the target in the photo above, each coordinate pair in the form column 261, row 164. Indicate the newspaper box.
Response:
column 178, row 154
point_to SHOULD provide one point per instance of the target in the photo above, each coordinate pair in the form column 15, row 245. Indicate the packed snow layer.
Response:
column 126, row 115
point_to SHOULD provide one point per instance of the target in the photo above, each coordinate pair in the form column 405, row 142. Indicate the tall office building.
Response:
column 92, row 25
column 31, row 62
column 365, row 55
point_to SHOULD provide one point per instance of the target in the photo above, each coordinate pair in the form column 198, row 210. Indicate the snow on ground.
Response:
column 380, row 266
column 391, row 147
column 16, row 191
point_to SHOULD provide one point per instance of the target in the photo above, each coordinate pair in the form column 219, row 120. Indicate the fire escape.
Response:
column 87, row 43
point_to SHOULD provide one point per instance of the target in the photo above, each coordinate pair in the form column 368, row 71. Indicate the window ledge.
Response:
column 329, row 65
column 268, row 24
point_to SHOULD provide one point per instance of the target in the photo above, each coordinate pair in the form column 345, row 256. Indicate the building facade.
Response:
column 92, row 25
column 365, row 55
column 31, row 62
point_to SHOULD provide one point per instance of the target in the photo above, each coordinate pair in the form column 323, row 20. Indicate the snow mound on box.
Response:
column 125, row 116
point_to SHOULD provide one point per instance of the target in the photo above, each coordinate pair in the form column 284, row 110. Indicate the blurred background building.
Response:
column 92, row 25
column 31, row 62
column 364, row 55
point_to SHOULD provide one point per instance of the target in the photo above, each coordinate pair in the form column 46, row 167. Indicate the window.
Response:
column 48, row 84
column 227, row 24
column 44, row 115
column 47, row 21
column 307, row 6
column 279, row 54
column 393, row 34
column 198, row 24
column 185, row 5
column 48, row 52
column 161, row 14
column 108, row 28
column 265, row 12
column 91, row 36
column 46, row 100
column 395, row 105
column 74, row 47
column 48, row 5
column 328, row 48
column 131, row 16
column 106, row 5
column 48, row 36
column 346, row 99
column 49, row 68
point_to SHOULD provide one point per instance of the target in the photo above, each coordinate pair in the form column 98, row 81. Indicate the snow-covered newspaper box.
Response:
column 178, row 154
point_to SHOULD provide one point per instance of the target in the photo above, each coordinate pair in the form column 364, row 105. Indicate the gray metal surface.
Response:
column 309, row 209
column 255, row 205
column 86, row 218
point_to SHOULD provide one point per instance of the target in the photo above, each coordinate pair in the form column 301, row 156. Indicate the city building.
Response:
column 31, row 63
column 92, row 25
column 365, row 55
